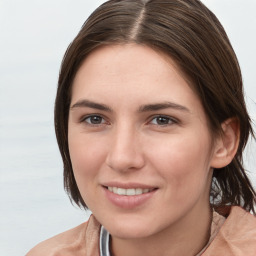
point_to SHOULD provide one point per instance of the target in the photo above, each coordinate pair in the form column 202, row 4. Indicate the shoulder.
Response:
column 59, row 242
column 237, row 236
column 239, row 214
column 81, row 240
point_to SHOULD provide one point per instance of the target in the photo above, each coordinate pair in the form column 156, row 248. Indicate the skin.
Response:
column 121, row 140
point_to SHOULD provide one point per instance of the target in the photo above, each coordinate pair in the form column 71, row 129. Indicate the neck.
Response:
column 186, row 238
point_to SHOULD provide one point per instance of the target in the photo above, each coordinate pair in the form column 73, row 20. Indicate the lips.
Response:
column 129, row 196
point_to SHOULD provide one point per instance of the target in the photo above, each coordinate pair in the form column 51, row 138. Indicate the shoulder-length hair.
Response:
column 191, row 35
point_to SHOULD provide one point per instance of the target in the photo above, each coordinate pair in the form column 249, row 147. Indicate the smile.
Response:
column 129, row 191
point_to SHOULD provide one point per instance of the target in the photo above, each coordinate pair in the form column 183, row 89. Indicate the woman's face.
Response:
column 139, row 143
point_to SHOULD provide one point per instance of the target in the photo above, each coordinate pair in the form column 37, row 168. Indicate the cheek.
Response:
column 86, row 161
column 86, row 157
column 184, row 163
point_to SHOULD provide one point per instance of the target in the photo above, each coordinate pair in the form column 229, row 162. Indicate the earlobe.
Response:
column 227, row 144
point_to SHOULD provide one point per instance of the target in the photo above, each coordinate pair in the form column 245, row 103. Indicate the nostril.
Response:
column 125, row 152
column 124, row 163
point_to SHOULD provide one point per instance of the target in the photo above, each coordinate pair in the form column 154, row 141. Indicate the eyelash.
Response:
column 168, row 120
column 84, row 120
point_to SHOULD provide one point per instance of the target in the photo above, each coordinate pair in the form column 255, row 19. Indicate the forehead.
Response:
column 122, row 64
column 132, row 72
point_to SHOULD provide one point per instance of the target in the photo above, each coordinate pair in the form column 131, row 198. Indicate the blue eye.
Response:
column 162, row 120
column 94, row 120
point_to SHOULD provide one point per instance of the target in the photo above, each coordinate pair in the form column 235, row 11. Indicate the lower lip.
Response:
column 128, row 202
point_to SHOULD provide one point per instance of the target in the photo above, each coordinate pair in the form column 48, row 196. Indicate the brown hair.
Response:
column 193, row 37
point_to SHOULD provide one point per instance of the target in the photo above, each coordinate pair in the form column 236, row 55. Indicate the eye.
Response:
column 163, row 120
column 94, row 120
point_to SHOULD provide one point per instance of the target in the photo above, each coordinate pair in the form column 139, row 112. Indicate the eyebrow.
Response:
column 90, row 104
column 144, row 108
column 161, row 106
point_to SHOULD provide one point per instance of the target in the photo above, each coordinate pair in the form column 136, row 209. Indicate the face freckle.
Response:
column 137, row 126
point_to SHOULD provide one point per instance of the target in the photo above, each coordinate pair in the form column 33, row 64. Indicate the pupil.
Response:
column 96, row 119
column 162, row 120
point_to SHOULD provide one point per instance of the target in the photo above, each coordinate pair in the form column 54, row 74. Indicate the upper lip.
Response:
column 128, row 185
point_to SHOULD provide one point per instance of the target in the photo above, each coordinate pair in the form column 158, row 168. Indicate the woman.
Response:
column 151, row 123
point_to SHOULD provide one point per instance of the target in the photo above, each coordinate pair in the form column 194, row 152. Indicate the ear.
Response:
column 226, row 144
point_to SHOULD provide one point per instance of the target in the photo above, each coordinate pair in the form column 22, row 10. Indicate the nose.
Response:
column 125, row 151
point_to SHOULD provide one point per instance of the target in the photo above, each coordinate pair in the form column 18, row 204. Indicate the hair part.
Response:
column 191, row 35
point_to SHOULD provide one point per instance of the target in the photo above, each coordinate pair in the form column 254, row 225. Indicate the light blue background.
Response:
column 33, row 38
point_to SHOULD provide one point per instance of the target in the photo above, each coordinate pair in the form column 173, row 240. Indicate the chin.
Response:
column 130, row 229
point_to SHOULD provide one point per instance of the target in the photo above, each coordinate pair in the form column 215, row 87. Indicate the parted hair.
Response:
column 191, row 35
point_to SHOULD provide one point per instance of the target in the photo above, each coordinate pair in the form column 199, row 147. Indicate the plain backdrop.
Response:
column 33, row 38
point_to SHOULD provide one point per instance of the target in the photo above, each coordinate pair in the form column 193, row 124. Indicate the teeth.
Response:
column 129, row 191
column 138, row 191
column 121, row 191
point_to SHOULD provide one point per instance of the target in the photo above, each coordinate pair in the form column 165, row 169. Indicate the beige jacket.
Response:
column 236, row 237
